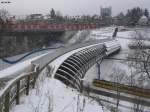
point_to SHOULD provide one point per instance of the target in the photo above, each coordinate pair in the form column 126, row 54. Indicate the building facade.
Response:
column 106, row 11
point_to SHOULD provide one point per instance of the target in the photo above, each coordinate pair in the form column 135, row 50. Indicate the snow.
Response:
column 19, row 68
column 103, row 30
column 107, row 69
column 125, row 34
column 79, row 37
column 4, row 65
column 52, row 94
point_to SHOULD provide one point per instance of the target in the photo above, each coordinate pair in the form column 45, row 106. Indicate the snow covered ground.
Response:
column 51, row 95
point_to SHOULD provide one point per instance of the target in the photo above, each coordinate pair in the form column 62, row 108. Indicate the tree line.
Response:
column 132, row 17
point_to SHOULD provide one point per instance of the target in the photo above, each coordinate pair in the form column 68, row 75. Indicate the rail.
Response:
column 16, row 87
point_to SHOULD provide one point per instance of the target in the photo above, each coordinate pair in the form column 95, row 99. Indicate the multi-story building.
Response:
column 106, row 11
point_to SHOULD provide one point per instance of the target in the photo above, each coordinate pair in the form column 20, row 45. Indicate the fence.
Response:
column 21, row 84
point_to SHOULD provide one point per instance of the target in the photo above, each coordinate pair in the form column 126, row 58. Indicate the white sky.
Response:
column 71, row 7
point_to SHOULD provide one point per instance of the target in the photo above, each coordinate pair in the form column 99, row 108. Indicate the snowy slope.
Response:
column 51, row 94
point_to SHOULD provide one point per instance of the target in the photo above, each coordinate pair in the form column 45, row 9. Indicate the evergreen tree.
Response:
column 121, row 18
column 134, row 15
column 52, row 13
column 146, row 13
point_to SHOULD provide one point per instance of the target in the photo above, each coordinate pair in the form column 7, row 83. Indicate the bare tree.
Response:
column 4, row 19
column 140, row 54
column 4, row 14
column 140, row 62
column 50, row 102
column 117, row 77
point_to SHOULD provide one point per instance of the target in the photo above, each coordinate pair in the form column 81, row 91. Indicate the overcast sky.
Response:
column 71, row 7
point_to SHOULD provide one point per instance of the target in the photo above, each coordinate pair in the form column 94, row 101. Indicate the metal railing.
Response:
column 19, row 85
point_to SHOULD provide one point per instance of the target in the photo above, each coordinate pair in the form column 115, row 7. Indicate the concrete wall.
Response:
column 14, row 45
